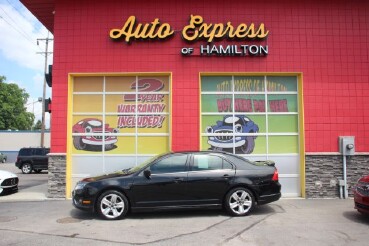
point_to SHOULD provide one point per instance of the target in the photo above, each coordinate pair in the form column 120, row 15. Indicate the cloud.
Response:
column 19, row 31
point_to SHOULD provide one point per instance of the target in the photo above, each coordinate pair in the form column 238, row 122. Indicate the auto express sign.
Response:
column 198, row 30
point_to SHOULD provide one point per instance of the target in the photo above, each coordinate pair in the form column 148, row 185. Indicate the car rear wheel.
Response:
column 239, row 201
column 112, row 205
column 3, row 160
column 26, row 168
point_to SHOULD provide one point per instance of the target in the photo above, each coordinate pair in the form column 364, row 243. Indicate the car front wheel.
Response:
column 26, row 168
column 239, row 201
column 112, row 205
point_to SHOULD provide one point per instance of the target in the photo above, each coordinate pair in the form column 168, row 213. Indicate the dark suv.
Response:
column 32, row 159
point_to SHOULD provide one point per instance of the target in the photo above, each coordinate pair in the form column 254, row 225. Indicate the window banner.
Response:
column 126, row 109
column 239, row 112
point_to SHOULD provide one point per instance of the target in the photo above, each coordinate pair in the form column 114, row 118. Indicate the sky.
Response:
column 19, row 61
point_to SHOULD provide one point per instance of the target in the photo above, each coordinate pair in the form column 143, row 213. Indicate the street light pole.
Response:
column 44, row 87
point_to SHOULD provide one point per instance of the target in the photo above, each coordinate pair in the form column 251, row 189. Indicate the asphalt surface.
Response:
column 285, row 222
column 31, row 187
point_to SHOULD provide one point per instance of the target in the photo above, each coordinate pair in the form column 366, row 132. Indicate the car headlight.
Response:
column 80, row 185
column 238, row 128
column 209, row 129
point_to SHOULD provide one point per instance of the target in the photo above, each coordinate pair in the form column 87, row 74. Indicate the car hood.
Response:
column 107, row 176
column 364, row 179
column 6, row 175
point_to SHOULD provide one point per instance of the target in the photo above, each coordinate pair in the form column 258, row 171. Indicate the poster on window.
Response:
column 240, row 112
column 120, row 118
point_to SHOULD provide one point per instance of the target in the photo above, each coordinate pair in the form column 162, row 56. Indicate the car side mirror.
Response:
column 147, row 173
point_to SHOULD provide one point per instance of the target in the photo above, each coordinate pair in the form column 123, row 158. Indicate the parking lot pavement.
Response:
column 285, row 222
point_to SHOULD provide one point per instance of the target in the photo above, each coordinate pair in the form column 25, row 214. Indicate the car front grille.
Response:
column 10, row 182
column 362, row 206
column 100, row 137
column 224, row 138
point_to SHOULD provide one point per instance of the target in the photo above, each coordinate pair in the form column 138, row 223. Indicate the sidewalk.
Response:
column 285, row 222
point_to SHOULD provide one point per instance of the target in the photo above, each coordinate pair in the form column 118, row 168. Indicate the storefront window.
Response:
column 253, row 116
column 118, row 122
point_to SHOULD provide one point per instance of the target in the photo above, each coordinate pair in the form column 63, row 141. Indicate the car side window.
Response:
column 207, row 162
column 171, row 164
column 37, row 152
column 227, row 165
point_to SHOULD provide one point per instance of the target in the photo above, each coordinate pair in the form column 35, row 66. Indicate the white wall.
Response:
column 12, row 141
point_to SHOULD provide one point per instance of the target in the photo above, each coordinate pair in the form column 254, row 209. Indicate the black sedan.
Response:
column 181, row 180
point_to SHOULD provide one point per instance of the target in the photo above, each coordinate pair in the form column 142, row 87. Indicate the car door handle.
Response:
column 226, row 176
column 177, row 180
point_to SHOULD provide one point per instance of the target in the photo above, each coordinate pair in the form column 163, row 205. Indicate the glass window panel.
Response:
column 226, row 123
column 87, row 134
column 227, row 165
column 207, row 162
column 176, row 163
column 249, row 103
column 122, row 123
column 153, row 124
column 119, row 83
column 153, row 84
column 216, row 83
column 87, row 103
column 249, row 83
column 88, row 84
column 121, row 145
column 152, row 145
column 283, row 123
column 282, row 103
column 123, row 103
column 87, row 165
column 260, row 146
column 283, row 144
column 217, row 103
column 282, row 83
column 115, row 163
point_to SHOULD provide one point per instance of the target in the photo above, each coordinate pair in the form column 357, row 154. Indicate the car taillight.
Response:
column 275, row 175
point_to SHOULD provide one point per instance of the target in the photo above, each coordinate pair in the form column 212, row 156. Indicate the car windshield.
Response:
column 143, row 164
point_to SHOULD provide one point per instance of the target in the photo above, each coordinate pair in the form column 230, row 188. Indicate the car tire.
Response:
column 78, row 144
column 239, row 201
column 112, row 205
column 26, row 168
column 249, row 146
column 3, row 161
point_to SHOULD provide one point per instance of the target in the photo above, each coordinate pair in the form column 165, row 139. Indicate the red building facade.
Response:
column 315, row 53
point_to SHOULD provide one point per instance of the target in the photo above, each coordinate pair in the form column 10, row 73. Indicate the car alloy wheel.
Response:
column 112, row 205
column 239, row 201
column 26, row 168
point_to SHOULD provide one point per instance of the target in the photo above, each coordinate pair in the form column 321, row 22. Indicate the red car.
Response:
column 361, row 195
column 94, row 140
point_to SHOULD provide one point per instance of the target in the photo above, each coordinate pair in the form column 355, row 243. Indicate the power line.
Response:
column 25, row 34
column 16, row 9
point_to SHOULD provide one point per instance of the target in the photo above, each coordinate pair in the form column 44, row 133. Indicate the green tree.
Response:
column 13, row 113
column 38, row 125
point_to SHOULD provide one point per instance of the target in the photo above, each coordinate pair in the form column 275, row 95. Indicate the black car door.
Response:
column 166, row 185
column 209, row 178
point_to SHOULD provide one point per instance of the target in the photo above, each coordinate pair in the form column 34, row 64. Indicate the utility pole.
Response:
column 46, row 53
